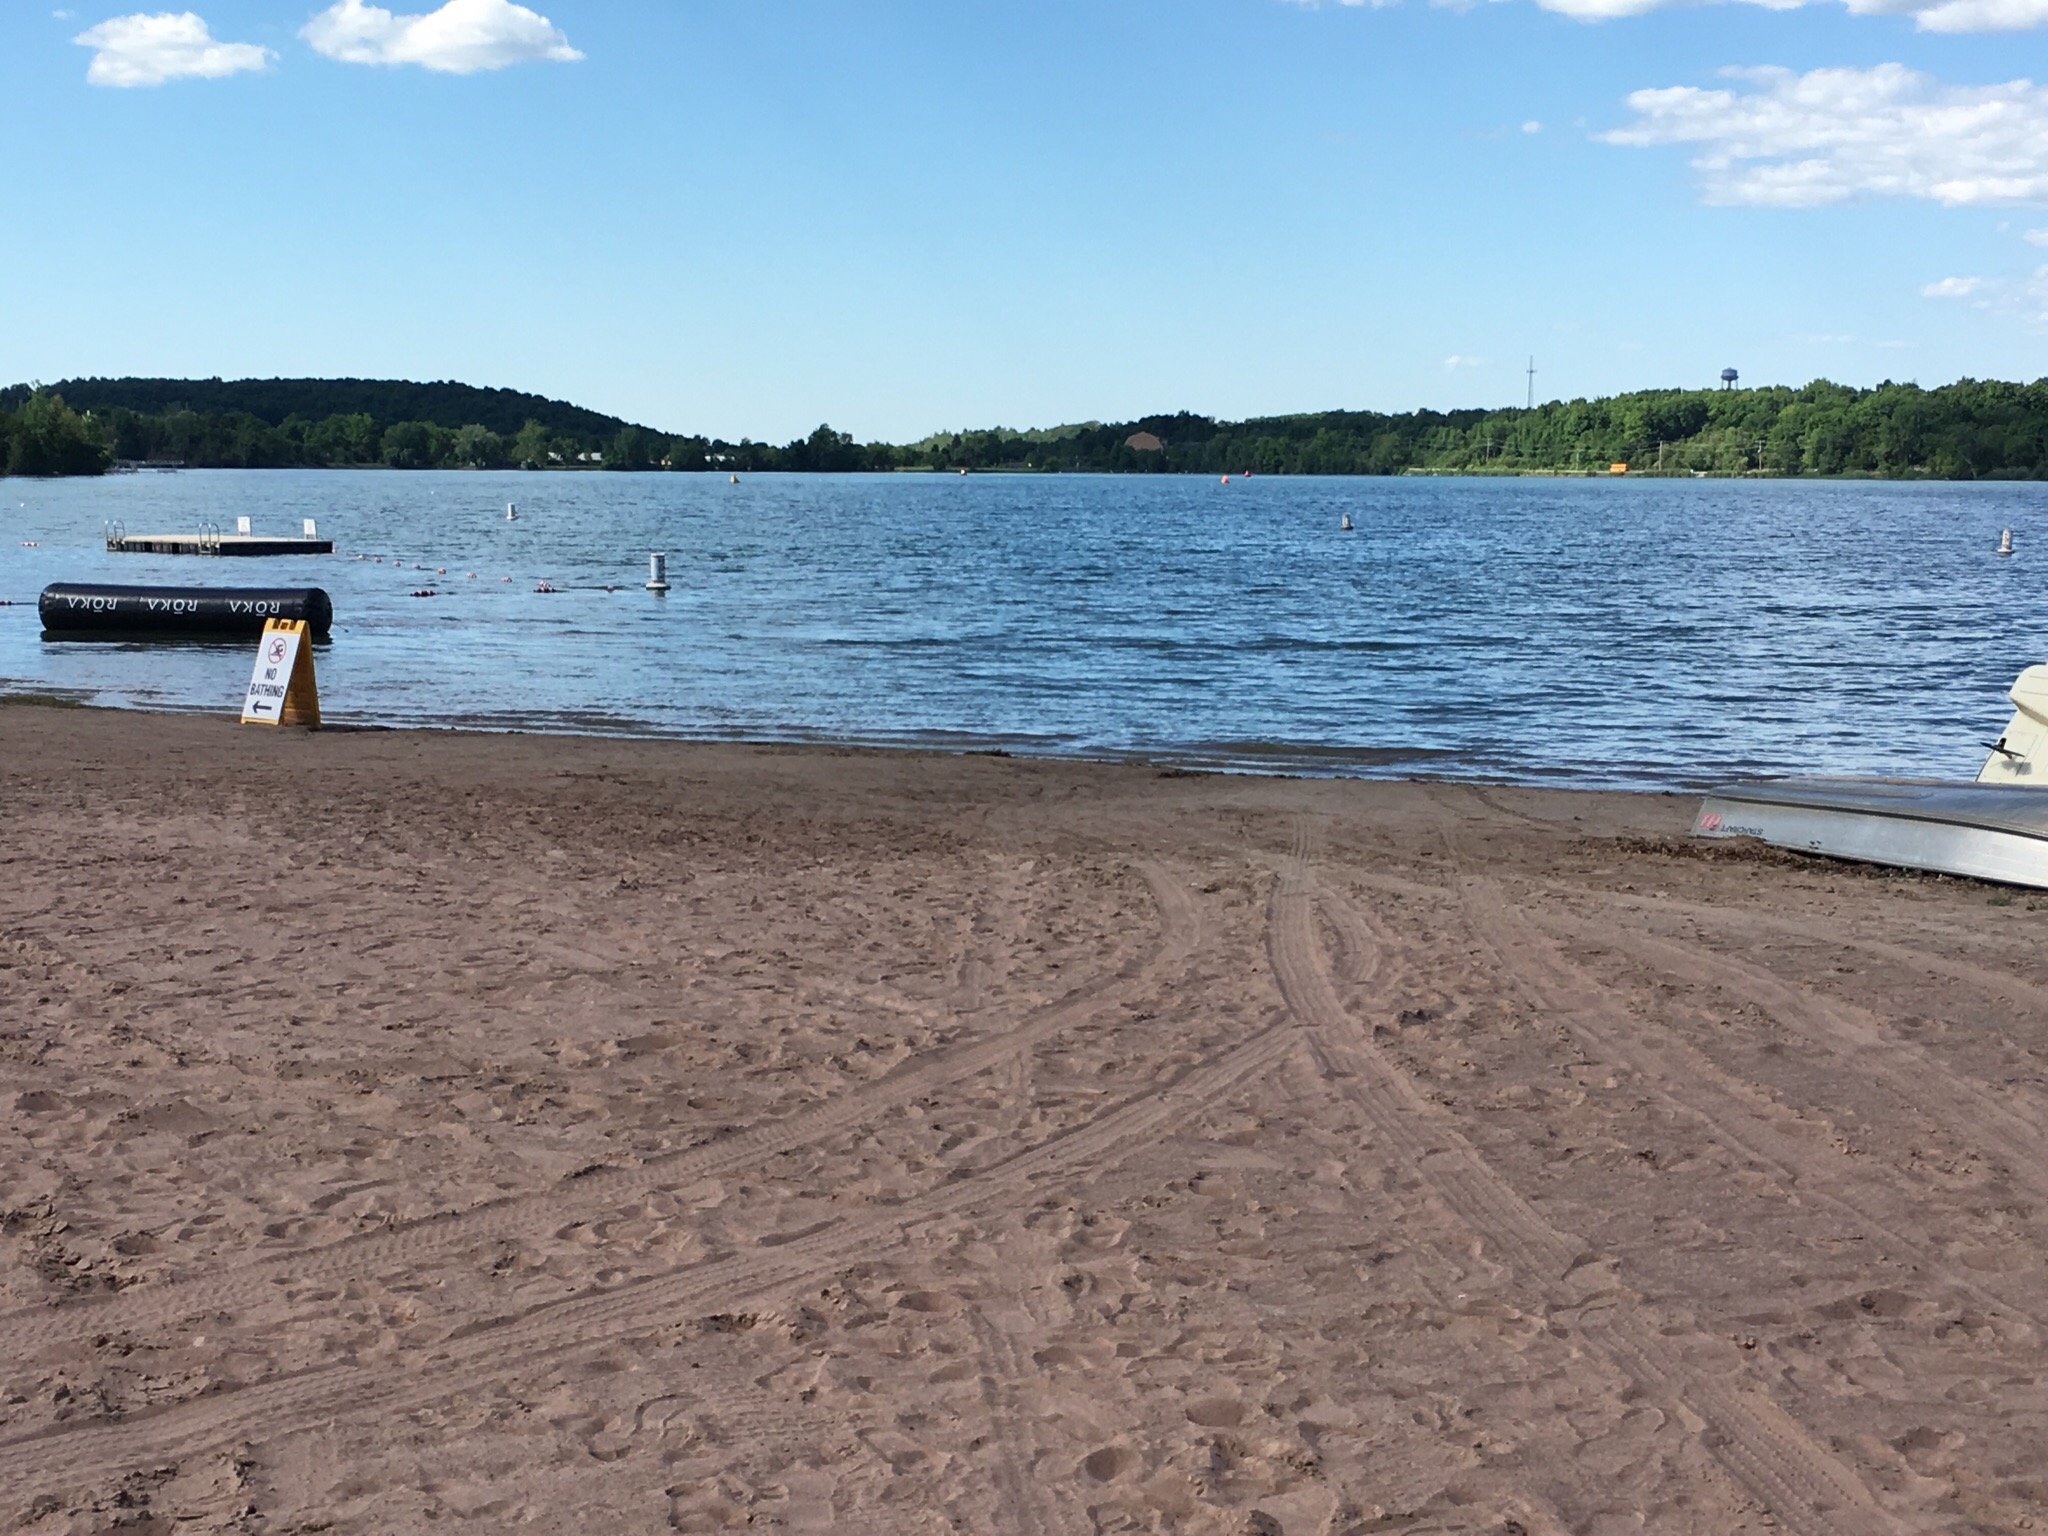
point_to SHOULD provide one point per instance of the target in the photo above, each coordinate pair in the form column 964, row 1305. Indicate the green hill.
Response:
column 385, row 401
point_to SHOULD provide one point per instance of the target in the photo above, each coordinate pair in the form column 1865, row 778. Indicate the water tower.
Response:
column 1728, row 378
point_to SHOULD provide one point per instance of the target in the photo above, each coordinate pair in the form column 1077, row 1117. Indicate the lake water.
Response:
column 1637, row 632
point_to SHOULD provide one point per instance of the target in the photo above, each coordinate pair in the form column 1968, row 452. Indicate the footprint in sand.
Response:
column 1216, row 1412
column 1109, row 1463
column 928, row 1301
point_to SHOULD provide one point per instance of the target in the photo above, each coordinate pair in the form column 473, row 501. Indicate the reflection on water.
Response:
column 1640, row 632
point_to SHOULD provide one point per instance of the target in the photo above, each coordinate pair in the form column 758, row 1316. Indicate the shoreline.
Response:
column 1348, row 764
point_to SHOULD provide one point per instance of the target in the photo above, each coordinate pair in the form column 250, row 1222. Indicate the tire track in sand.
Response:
column 1012, row 1438
column 488, row 1353
column 1806, row 1489
column 1735, row 1113
column 1985, row 1117
column 2001, row 986
column 2011, row 1132
column 26, row 1333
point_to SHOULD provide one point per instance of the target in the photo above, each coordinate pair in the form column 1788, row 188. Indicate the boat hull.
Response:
column 1987, row 832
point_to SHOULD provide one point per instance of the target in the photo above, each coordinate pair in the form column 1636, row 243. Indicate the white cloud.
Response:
column 461, row 38
column 2025, row 297
column 150, row 49
column 1799, row 141
column 1928, row 15
column 2036, row 237
column 1454, row 362
column 1980, row 15
column 1532, row 126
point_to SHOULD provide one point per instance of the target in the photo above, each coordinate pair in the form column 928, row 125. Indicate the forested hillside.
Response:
column 385, row 401
column 1964, row 431
column 338, row 423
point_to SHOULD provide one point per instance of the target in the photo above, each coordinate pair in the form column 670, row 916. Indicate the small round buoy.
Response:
column 543, row 586
column 504, row 578
column 1226, row 479
column 472, row 575
column 440, row 570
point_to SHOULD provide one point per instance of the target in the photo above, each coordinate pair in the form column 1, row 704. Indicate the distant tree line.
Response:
column 1969, row 430
column 1964, row 431
column 41, row 435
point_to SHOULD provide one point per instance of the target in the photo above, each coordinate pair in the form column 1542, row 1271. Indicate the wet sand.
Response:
column 401, row 1132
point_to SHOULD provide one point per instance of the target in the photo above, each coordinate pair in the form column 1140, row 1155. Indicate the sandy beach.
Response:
column 410, row 1131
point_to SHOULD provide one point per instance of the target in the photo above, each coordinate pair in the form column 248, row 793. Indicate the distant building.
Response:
column 1145, row 442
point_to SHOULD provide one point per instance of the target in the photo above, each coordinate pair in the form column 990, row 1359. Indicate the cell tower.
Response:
column 1532, row 384
column 1728, row 378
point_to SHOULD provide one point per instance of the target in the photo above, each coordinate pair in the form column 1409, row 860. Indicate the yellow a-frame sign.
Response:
column 282, row 690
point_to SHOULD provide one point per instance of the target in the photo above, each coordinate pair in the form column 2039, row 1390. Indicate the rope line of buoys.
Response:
column 657, row 580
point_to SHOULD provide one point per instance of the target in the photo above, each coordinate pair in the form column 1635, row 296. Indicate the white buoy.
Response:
column 734, row 481
column 511, row 511
column 2005, row 542
column 657, row 573
column 1346, row 524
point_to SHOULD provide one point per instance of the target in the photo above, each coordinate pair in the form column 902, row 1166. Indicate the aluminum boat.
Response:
column 1993, row 829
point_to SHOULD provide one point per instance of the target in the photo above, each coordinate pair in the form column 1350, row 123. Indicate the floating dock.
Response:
column 222, row 544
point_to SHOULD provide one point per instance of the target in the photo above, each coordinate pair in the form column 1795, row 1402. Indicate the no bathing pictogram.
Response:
column 277, row 650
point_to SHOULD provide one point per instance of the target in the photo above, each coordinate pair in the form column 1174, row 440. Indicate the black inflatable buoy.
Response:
column 95, row 611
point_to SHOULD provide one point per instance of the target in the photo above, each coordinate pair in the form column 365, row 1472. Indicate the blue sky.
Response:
column 746, row 218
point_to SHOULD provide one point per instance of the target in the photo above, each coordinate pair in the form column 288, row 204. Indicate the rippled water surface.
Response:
column 1625, row 632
